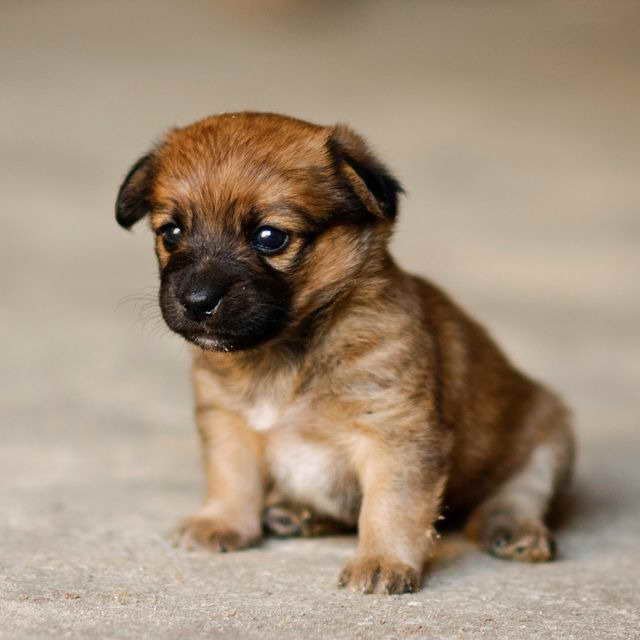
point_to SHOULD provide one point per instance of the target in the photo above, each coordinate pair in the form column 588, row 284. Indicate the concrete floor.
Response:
column 515, row 128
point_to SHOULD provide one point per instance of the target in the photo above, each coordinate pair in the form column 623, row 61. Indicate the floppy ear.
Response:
column 133, row 201
column 366, row 175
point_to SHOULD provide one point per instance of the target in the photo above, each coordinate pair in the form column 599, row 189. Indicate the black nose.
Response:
column 201, row 301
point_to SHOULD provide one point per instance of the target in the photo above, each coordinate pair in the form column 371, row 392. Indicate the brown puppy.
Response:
column 332, row 389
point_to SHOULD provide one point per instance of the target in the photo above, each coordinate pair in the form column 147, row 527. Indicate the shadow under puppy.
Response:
column 333, row 389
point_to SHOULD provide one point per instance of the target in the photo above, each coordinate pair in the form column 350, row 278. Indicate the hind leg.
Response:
column 283, row 518
column 511, row 523
column 287, row 520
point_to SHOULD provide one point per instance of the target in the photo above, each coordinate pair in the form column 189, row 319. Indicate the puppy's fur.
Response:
column 332, row 389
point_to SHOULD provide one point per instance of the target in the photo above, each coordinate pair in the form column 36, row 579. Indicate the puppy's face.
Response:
column 260, row 220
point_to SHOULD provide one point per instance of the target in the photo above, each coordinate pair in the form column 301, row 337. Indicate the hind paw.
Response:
column 506, row 537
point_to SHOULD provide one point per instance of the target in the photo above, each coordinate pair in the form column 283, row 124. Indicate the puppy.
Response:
column 332, row 389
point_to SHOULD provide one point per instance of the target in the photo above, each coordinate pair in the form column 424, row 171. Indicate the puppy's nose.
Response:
column 201, row 301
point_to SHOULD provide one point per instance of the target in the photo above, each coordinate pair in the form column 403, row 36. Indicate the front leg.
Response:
column 401, row 501
column 230, row 516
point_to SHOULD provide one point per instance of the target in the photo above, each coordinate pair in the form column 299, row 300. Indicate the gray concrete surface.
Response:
column 515, row 128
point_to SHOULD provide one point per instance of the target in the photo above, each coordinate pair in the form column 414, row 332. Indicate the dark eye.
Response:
column 269, row 240
column 170, row 234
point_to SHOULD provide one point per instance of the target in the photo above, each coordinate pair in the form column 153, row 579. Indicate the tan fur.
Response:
column 397, row 404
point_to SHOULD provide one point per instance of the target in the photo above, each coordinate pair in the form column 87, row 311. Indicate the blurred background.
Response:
column 515, row 128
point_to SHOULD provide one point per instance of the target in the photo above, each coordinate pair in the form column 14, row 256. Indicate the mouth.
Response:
column 210, row 343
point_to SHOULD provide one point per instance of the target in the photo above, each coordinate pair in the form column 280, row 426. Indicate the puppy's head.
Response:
column 260, row 221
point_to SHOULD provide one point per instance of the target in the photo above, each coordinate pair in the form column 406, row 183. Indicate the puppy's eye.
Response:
column 269, row 240
column 170, row 234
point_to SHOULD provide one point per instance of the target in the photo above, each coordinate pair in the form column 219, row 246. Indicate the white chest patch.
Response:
column 262, row 416
column 303, row 471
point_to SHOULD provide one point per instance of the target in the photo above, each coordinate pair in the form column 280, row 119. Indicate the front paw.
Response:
column 379, row 575
column 215, row 533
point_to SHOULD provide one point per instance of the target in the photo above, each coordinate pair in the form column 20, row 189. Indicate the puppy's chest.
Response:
column 304, row 461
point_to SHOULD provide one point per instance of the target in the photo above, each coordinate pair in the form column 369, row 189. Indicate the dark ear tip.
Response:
column 132, row 202
column 122, row 219
column 350, row 147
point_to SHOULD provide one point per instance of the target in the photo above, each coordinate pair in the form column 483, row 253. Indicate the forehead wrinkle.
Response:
column 212, row 187
column 287, row 215
column 160, row 218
